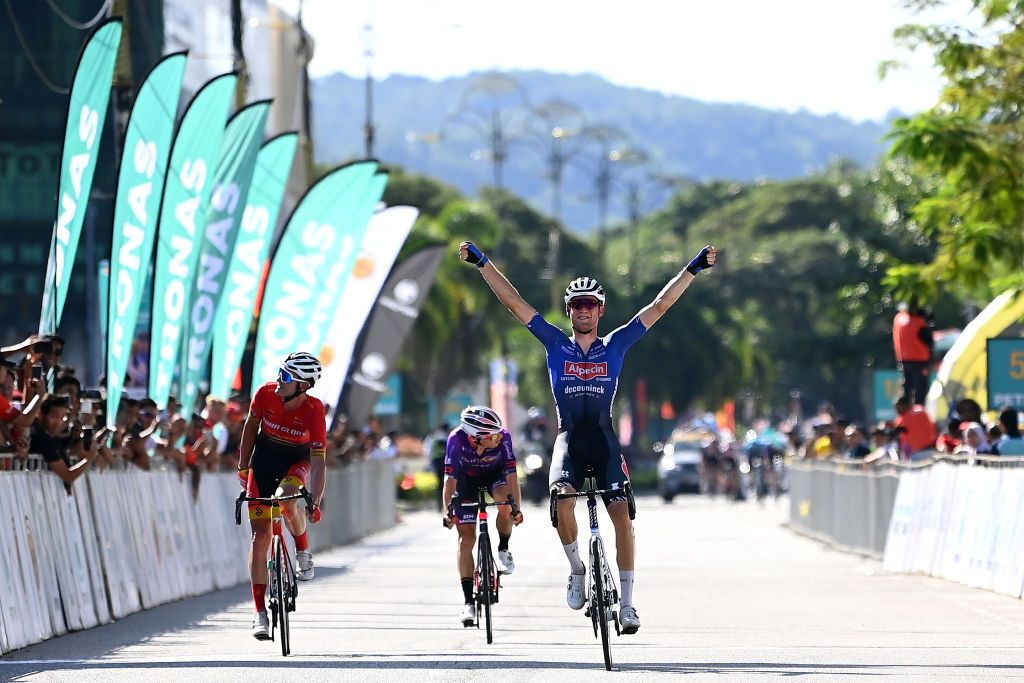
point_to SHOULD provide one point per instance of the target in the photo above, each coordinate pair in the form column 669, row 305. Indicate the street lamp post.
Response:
column 369, row 130
column 238, row 52
column 303, row 46
column 494, row 106
column 305, row 53
column 560, row 140
column 636, row 160
column 606, row 139
column 638, row 190
column 634, row 171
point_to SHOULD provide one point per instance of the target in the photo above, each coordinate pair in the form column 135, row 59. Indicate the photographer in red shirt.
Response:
column 913, row 343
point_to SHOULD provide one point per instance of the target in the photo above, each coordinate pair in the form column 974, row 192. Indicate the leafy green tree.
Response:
column 797, row 300
column 970, row 147
column 463, row 325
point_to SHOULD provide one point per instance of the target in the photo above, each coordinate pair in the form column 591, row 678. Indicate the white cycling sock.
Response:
column 626, row 582
column 572, row 551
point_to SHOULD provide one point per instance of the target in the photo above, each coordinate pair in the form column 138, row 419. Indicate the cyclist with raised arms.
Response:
column 584, row 371
column 283, row 444
column 479, row 454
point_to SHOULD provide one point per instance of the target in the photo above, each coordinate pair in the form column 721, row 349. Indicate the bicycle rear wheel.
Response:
column 485, row 591
column 282, row 572
column 600, row 604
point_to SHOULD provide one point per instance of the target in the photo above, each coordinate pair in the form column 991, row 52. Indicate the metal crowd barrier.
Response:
column 955, row 517
column 841, row 502
column 128, row 540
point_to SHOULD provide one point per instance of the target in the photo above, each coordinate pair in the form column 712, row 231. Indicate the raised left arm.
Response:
column 671, row 292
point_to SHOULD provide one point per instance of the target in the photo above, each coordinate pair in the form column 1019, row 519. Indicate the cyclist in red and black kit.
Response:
column 283, row 443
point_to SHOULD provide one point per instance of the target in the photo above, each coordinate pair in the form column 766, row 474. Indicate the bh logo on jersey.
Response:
column 586, row 371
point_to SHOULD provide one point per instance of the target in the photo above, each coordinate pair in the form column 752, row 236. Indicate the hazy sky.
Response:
column 821, row 55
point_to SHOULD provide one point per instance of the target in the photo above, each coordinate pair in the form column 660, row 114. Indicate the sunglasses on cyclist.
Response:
column 285, row 377
column 484, row 440
column 583, row 304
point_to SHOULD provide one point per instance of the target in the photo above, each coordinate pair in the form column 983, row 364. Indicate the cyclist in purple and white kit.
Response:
column 479, row 454
column 584, row 370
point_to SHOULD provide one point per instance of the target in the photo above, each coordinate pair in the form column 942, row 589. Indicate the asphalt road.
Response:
column 724, row 590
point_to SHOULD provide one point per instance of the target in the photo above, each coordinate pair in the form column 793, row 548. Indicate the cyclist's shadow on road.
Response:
column 435, row 662
column 190, row 614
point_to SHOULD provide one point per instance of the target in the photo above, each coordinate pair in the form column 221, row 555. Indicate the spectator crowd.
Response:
column 46, row 414
column 45, row 411
column 912, row 435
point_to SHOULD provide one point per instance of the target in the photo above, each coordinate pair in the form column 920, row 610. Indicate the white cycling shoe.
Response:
column 574, row 591
column 508, row 565
column 261, row 626
column 304, row 565
column 468, row 614
column 629, row 620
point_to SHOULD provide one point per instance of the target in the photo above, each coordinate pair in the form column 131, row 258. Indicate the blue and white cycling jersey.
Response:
column 584, row 384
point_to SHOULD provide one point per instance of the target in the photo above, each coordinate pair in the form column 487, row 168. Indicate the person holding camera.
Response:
column 51, row 440
column 10, row 415
column 139, row 442
column 42, row 354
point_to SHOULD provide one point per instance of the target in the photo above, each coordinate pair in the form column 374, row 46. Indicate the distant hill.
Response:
column 687, row 137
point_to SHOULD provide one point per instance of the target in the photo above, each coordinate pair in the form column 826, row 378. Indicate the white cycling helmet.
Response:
column 584, row 286
column 480, row 421
column 303, row 366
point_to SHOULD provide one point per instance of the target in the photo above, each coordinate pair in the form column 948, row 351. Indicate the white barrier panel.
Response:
column 936, row 500
column 962, row 523
column 126, row 541
column 954, row 556
column 1008, row 572
column 902, row 525
column 40, row 541
column 982, row 527
column 115, row 541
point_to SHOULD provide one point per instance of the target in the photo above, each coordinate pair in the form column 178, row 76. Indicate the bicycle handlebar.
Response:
column 451, row 507
column 588, row 493
column 242, row 498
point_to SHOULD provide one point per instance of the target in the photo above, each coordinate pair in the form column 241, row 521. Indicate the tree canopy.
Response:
column 969, row 149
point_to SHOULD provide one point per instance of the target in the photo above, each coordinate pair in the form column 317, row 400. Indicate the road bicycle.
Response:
column 486, row 580
column 602, row 592
column 283, row 589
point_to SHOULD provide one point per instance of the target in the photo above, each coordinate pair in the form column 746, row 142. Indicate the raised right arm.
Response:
column 498, row 283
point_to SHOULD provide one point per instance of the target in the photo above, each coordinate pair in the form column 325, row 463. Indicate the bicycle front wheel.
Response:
column 282, row 576
column 600, row 604
column 485, row 592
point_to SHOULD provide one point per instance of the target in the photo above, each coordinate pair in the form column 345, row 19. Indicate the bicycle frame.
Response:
column 602, row 591
column 279, row 563
column 488, row 581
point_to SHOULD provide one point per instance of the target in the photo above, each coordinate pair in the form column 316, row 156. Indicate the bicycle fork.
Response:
column 275, row 530
column 608, row 587
column 484, row 535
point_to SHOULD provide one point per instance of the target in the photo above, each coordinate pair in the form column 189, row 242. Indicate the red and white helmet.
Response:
column 480, row 421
